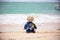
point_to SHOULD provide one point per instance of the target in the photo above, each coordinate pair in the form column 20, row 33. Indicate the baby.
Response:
column 30, row 26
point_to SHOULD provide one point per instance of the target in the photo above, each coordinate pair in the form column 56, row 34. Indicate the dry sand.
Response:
column 44, row 35
column 30, row 36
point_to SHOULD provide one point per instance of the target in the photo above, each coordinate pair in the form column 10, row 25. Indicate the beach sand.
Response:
column 30, row 36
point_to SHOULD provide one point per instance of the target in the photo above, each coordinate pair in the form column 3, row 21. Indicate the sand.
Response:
column 30, row 36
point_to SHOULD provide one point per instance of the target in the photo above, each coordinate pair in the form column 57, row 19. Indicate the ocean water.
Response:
column 28, row 7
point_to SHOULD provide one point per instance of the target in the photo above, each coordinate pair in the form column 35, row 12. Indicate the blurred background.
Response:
column 13, row 14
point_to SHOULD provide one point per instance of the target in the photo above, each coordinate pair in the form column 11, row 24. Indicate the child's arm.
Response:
column 35, row 26
column 25, row 27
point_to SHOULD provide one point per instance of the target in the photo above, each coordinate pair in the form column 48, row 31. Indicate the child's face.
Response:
column 30, row 18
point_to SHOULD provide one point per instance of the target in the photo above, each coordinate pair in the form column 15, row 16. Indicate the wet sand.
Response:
column 30, row 36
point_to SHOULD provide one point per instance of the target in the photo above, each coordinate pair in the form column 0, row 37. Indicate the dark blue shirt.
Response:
column 27, row 25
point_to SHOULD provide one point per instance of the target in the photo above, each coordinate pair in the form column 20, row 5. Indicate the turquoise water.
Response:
column 28, row 7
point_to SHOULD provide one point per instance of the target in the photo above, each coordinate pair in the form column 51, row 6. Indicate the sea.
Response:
column 29, row 8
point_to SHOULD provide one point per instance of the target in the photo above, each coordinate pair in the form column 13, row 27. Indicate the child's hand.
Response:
column 32, row 26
